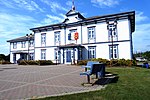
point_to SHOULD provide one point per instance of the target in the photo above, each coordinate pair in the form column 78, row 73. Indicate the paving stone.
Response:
column 22, row 82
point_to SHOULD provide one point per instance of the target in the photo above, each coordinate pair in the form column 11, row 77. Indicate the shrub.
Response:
column 113, row 62
column 38, row 62
column 82, row 62
column 5, row 62
column 23, row 62
column 45, row 62
column 122, row 62
column 105, row 61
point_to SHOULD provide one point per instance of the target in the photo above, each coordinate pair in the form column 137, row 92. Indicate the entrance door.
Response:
column 68, row 56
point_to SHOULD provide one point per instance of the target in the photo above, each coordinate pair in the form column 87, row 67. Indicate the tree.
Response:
column 2, row 57
column 143, row 54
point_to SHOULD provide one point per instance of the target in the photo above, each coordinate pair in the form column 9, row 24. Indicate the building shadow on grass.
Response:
column 109, row 78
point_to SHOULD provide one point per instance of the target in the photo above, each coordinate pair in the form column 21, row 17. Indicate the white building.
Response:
column 108, row 36
column 21, row 47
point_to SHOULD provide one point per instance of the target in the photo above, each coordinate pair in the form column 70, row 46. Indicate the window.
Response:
column 71, row 34
column 43, row 54
column 15, row 45
column 113, row 51
column 31, row 43
column 91, row 32
column 31, row 56
column 57, row 37
column 112, row 32
column 23, row 44
column 43, row 39
column 91, row 52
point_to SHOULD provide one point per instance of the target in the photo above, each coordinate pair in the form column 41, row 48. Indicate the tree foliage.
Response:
column 3, row 57
column 143, row 54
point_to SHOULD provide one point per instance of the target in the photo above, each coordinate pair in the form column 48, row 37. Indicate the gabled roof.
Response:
column 24, row 38
column 74, row 12
column 125, row 15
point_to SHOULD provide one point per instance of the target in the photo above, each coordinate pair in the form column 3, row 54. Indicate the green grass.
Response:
column 133, row 84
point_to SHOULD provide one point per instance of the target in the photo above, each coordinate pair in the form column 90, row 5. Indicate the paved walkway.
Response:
column 22, row 82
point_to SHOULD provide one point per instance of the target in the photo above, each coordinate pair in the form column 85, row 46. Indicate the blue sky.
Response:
column 18, row 16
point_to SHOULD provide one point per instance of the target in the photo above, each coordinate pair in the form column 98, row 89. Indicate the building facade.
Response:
column 22, row 48
column 79, row 38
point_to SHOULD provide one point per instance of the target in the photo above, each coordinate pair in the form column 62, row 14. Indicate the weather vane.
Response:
column 73, row 7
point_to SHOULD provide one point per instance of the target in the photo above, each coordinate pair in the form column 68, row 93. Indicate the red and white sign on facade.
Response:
column 76, row 35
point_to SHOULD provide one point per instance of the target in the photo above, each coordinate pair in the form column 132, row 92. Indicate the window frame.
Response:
column 91, row 52
column 57, row 40
column 71, row 33
column 31, row 43
column 14, row 45
column 115, row 52
column 91, row 33
column 43, row 54
column 112, row 32
column 23, row 44
column 43, row 39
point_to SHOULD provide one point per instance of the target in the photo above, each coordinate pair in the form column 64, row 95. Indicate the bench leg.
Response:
column 88, row 78
column 97, row 75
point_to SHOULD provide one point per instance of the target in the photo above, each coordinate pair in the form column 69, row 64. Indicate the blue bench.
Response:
column 145, row 65
column 93, row 68
column 90, row 64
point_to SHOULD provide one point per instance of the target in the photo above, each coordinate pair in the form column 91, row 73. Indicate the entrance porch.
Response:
column 19, row 56
column 70, row 54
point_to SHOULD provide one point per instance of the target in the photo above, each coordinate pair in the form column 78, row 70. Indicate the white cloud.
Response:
column 141, row 35
column 105, row 3
column 11, row 25
column 139, row 17
column 54, row 6
column 51, row 19
column 7, row 3
column 14, row 25
column 69, row 3
column 28, row 4
column 25, row 4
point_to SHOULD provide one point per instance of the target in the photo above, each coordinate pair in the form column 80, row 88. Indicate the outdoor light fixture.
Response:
column 28, row 37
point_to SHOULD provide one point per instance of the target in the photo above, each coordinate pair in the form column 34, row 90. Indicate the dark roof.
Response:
column 73, row 12
column 19, row 52
column 125, row 15
column 24, row 38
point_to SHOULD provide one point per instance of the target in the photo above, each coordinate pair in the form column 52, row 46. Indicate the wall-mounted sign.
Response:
column 76, row 35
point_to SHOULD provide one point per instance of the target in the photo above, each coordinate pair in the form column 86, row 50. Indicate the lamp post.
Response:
column 112, row 43
column 28, row 36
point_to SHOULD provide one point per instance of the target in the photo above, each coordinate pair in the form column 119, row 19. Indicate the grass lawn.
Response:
column 133, row 84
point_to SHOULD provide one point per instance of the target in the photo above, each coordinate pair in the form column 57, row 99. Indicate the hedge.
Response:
column 113, row 62
column 37, row 62
column 5, row 62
